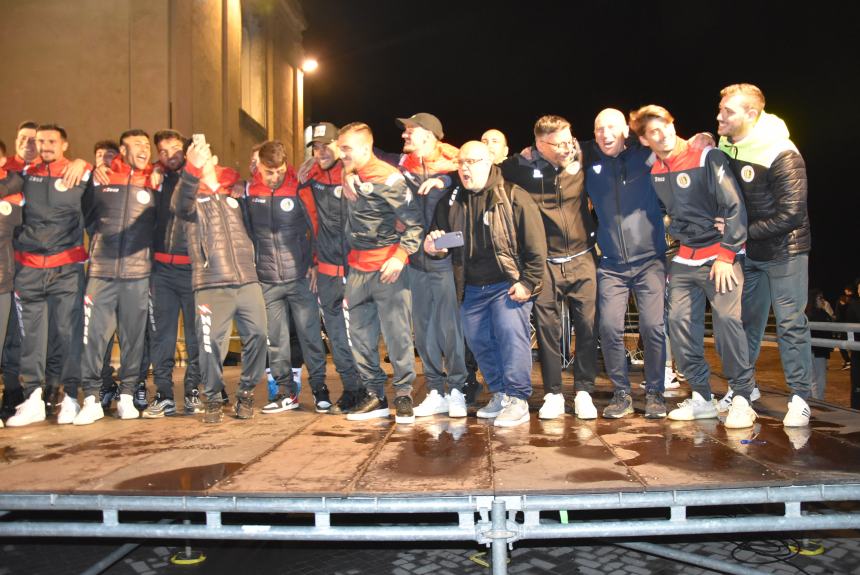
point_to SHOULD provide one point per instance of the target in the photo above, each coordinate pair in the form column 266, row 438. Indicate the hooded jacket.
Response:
column 330, row 241
column 772, row 175
column 222, row 254
column 11, row 202
column 170, row 245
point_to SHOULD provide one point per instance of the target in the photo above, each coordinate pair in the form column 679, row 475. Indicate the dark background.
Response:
column 478, row 65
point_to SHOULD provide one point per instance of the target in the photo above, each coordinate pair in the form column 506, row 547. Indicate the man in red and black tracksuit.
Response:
column 120, row 216
column 325, row 182
column 377, row 289
column 11, row 200
column 224, row 278
column 170, row 288
column 283, row 223
column 49, row 280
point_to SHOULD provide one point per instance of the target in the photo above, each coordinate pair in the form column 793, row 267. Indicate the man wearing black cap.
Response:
column 325, row 180
column 425, row 164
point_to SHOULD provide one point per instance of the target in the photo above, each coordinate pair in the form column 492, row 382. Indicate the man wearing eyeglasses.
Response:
column 554, row 178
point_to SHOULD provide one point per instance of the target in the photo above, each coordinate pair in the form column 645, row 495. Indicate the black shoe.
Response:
column 655, row 406
column 52, row 400
column 225, row 399
column 108, row 393
column 139, row 397
column 245, row 404
column 472, row 389
column 347, row 402
column 621, row 405
column 214, row 412
column 193, row 404
column 369, row 407
column 403, row 409
column 12, row 398
column 322, row 402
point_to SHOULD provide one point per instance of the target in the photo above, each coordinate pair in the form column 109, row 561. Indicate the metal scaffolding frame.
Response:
column 497, row 521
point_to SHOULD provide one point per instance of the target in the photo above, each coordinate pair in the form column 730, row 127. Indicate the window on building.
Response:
column 253, row 67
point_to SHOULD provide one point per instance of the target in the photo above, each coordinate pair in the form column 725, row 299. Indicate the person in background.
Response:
column 816, row 311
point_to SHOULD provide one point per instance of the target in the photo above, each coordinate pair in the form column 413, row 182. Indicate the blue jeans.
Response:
column 782, row 284
column 497, row 332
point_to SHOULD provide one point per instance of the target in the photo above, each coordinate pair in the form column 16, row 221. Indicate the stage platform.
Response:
column 307, row 476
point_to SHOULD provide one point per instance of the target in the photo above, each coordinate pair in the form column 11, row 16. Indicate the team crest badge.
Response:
column 60, row 186
column 683, row 180
column 338, row 192
column 5, row 208
column 143, row 197
column 231, row 201
column 747, row 173
column 287, row 204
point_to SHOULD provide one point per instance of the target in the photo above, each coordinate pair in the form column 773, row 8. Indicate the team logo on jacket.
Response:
column 683, row 180
column 5, row 208
column 597, row 168
column 143, row 197
column 747, row 173
column 205, row 315
column 338, row 192
column 366, row 187
column 232, row 202
column 287, row 204
column 60, row 186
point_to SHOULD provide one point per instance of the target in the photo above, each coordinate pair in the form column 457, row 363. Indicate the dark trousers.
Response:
column 49, row 305
column 11, row 360
column 376, row 307
column 330, row 291
column 647, row 280
column 114, row 305
column 689, row 287
column 576, row 283
column 216, row 310
column 287, row 304
column 170, row 293
column 497, row 332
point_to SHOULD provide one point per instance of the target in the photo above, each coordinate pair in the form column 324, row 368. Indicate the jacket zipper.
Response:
column 618, row 217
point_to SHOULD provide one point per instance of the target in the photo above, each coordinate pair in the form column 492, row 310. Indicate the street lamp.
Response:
column 308, row 66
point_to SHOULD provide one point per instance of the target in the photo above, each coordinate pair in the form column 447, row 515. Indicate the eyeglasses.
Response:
column 469, row 162
column 559, row 146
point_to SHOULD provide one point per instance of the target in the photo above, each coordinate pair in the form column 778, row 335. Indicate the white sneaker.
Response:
column 31, row 411
column 798, row 413
column 740, row 414
column 125, row 408
column 433, row 404
column 456, row 404
column 515, row 412
column 670, row 380
column 69, row 409
column 726, row 402
column 583, row 407
column 694, row 408
column 90, row 412
column 494, row 407
column 553, row 406
column 798, row 436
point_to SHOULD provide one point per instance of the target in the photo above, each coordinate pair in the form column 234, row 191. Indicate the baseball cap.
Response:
column 423, row 120
column 324, row 133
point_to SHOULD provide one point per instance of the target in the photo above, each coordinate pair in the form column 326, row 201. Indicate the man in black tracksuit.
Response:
column 11, row 200
column 555, row 180
column 170, row 289
column 121, row 218
column 210, row 200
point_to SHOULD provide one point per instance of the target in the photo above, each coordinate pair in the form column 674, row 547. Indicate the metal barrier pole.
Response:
column 718, row 565
column 500, row 543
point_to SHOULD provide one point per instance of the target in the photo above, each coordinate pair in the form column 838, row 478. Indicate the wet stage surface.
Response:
column 302, row 453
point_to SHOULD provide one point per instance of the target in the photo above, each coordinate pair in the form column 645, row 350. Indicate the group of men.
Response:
column 449, row 250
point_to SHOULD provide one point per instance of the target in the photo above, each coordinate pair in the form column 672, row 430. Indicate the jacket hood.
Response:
column 442, row 160
column 768, row 138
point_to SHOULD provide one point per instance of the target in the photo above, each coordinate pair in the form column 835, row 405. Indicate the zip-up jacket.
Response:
column 222, row 254
column 170, row 244
column 696, row 187
column 629, row 216
column 52, row 231
column 121, row 218
column 416, row 171
column 17, row 164
column 330, row 242
column 503, row 235
column 283, row 223
column 772, row 176
column 383, row 198
column 560, row 196
column 11, row 202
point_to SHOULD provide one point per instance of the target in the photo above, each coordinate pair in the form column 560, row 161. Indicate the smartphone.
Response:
column 449, row 240
column 199, row 140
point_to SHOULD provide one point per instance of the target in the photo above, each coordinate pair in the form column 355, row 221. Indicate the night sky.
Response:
column 478, row 65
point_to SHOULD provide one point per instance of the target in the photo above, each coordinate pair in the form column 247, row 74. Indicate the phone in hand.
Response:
column 199, row 140
column 449, row 240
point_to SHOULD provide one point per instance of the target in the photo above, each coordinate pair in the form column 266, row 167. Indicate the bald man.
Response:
column 497, row 143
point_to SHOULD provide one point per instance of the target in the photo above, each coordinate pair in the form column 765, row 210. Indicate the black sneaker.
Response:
column 108, row 393
column 403, row 409
column 160, row 407
column 52, row 400
column 347, row 402
column 369, row 407
column 12, row 398
column 655, row 406
column 245, row 404
column 139, row 398
column 225, row 399
column 472, row 389
column 193, row 404
column 322, row 402
column 214, row 412
column 621, row 405
column 282, row 402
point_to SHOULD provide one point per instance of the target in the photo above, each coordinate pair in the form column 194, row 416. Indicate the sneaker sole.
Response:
column 659, row 415
column 376, row 413
column 319, row 409
column 405, row 419
column 625, row 413
column 692, row 418
column 458, row 414
column 290, row 407
column 511, row 423
column 549, row 416
column 488, row 414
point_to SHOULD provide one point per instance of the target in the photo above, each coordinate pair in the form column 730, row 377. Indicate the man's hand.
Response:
column 430, row 243
column 701, row 141
column 312, row 278
column 527, row 153
column 390, row 270
column 723, row 274
column 429, row 184
column 198, row 157
column 305, row 170
column 102, row 175
column 349, row 183
column 156, row 177
column 519, row 293
column 720, row 224
column 73, row 173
